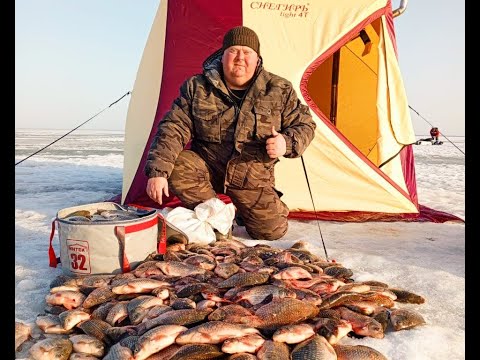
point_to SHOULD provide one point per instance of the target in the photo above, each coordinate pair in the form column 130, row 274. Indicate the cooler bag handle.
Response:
column 121, row 231
column 162, row 236
column 53, row 260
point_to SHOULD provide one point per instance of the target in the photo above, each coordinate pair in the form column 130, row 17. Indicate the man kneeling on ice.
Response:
column 240, row 119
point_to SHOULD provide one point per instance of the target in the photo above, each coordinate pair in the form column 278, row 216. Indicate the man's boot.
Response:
column 239, row 220
column 219, row 236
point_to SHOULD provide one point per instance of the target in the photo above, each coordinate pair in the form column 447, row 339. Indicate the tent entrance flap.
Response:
column 344, row 87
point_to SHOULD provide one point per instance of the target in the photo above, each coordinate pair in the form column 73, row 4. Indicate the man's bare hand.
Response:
column 276, row 145
column 156, row 187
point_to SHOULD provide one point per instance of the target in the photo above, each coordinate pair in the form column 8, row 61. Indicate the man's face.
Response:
column 239, row 63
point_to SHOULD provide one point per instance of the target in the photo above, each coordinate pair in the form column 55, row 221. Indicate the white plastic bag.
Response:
column 199, row 224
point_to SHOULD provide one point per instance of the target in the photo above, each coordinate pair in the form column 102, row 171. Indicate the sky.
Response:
column 425, row 258
column 74, row 58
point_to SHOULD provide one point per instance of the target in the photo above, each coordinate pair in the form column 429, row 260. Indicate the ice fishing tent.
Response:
column 341, row 58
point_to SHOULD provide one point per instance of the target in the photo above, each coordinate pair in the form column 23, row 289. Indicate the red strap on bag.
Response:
column 122, row 231
column 162, row 237
column 51, row 253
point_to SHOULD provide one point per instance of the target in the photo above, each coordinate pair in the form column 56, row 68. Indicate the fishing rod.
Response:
column 314, row 210
column 61, row 137
column 428, row 122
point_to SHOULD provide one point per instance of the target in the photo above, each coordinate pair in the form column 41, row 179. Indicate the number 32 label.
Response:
column 79, row 256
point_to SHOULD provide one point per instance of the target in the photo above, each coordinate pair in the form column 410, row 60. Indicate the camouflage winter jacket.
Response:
column 231, row 139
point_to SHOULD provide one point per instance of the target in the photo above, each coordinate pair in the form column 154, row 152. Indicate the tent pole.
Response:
column 399, row 11
column 334, row 89
column 335, row 75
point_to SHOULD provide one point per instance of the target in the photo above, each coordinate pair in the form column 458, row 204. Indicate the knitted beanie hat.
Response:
column 241, row 35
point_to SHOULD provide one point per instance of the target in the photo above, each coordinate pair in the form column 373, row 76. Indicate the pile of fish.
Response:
column 220, row 301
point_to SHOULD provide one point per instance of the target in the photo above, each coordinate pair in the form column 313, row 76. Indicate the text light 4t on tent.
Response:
column 341, row 58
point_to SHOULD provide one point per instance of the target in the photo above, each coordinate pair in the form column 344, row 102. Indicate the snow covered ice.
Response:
column 425, row 258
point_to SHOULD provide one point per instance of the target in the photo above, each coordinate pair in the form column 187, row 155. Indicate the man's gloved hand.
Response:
column 276, row 145
column 156, row 187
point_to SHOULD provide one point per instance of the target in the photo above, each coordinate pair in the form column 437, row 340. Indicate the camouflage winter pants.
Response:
column 264, row 214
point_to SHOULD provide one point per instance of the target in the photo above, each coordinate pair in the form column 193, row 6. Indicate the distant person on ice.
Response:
column 240, row 119
column 435, row 134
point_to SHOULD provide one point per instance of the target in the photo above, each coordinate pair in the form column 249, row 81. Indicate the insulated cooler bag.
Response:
column 101, row 247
